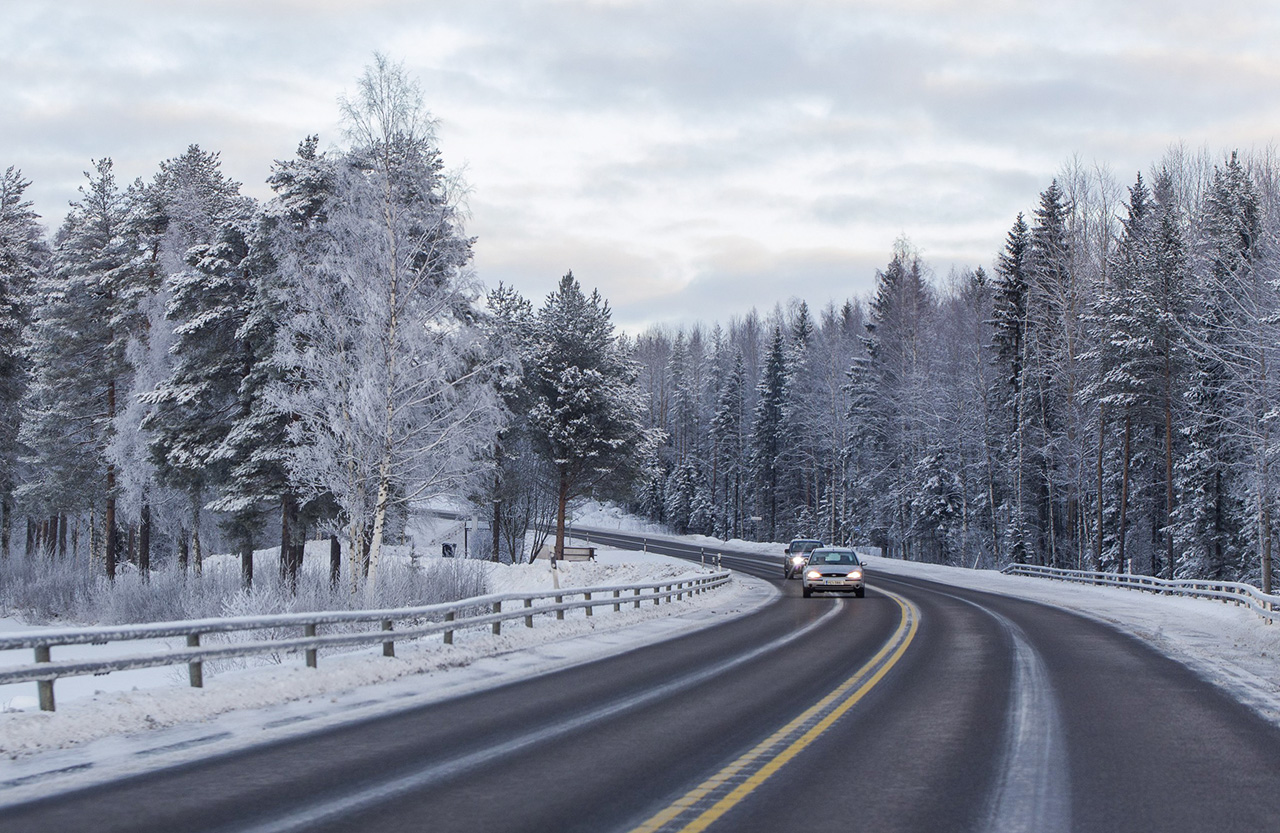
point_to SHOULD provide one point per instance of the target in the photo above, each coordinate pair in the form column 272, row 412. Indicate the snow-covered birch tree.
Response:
column 386, row 383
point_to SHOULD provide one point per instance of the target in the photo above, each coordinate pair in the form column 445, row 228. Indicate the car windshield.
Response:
column 836, row 557
column 805, row 546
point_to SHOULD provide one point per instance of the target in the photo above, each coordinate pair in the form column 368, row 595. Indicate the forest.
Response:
column 183, row 368
column 1101, row 396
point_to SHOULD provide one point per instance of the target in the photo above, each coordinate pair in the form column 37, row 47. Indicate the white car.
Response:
column 834, row 569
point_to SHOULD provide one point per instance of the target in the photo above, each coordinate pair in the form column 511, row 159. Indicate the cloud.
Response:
column 690, row 159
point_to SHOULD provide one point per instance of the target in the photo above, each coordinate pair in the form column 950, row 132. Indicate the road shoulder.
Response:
column 125, row 733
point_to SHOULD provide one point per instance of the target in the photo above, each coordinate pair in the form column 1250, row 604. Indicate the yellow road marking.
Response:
column 886, row 658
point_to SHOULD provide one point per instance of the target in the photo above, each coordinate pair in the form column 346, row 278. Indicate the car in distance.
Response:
column 834, row 569
column 795, row 555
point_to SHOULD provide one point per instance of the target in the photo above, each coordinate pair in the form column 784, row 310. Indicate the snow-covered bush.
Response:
column 44, row 591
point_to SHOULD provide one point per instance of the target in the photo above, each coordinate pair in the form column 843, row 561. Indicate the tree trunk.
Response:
column 562, row 500
column 109, row 520
column 246, row 562
column 288, row 519
column 197, row 556
column 1097, row 549
column 1266, row 546
column 111, row 492
column 335, row 562
column 6, row 525
column 183, row 555
column 144, row 541
column 62, row 535
column 379, row 519
column 1168, row 468
column 1123, row 567
column 497, row 524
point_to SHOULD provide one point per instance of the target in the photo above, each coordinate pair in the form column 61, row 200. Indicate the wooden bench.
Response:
column 570, row 553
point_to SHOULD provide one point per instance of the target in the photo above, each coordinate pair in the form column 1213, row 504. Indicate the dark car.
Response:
column 834, row 569
column 796, row 554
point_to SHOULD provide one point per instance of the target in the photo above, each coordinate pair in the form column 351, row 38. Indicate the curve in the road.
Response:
column 699, row 808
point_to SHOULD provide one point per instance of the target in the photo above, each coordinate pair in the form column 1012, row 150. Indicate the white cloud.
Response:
column 690, row 159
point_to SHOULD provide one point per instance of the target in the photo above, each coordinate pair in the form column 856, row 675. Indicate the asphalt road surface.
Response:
column 918, row 708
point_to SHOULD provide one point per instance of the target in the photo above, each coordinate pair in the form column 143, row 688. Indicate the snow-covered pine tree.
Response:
column 78, row 363
column 1047, row 481
column 199, row 213
column 1124, row 386
column 1211, row 526
column 257, row 447
column 519, row 484
column 23, row 259
column 192, row 411
column 587, row 410
column 1168, row 315
column 766, row 431
column 728, row 431
column 897, row 381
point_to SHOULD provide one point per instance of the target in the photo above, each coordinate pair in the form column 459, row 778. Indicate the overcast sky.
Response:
column 692, row 159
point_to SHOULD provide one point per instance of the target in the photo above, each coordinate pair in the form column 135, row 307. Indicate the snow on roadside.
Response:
column 1231, row 647
column 95, row 712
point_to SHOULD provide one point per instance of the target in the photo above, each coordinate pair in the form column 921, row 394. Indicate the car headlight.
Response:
column 813, row 575
column 856, row 574
column 797, row 560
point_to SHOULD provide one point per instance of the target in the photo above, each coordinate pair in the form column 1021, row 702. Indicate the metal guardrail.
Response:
column 414, row 623
column 1227, row 591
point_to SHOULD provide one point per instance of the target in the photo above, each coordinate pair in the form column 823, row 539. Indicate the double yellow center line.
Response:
column 699, row 808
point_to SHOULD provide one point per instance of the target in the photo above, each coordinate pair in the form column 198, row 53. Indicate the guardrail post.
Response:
column 448, row 634
column 617, row 606
column 587, row 597
column 44, row 687
column 702, row 556
column 497, row 626
column 310, row 630
column 559, row 613
column 195, row 670
column 637, row 592
column 388, row 648
column 718, row 560
column 528, row 620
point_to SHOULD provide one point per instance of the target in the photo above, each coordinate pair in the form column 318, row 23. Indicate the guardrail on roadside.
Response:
column 414, row 623
column 1227, row 591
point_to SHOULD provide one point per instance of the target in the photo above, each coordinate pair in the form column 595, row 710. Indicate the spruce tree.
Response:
column 198, row 213
column 587, row 411
column 79, row 368
column 1211, row 525
column 23, row 259
column 766, row 431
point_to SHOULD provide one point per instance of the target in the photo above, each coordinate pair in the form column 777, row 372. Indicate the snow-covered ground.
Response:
column 118, row 718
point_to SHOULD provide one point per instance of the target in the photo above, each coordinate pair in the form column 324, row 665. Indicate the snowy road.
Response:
column 920, row 707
